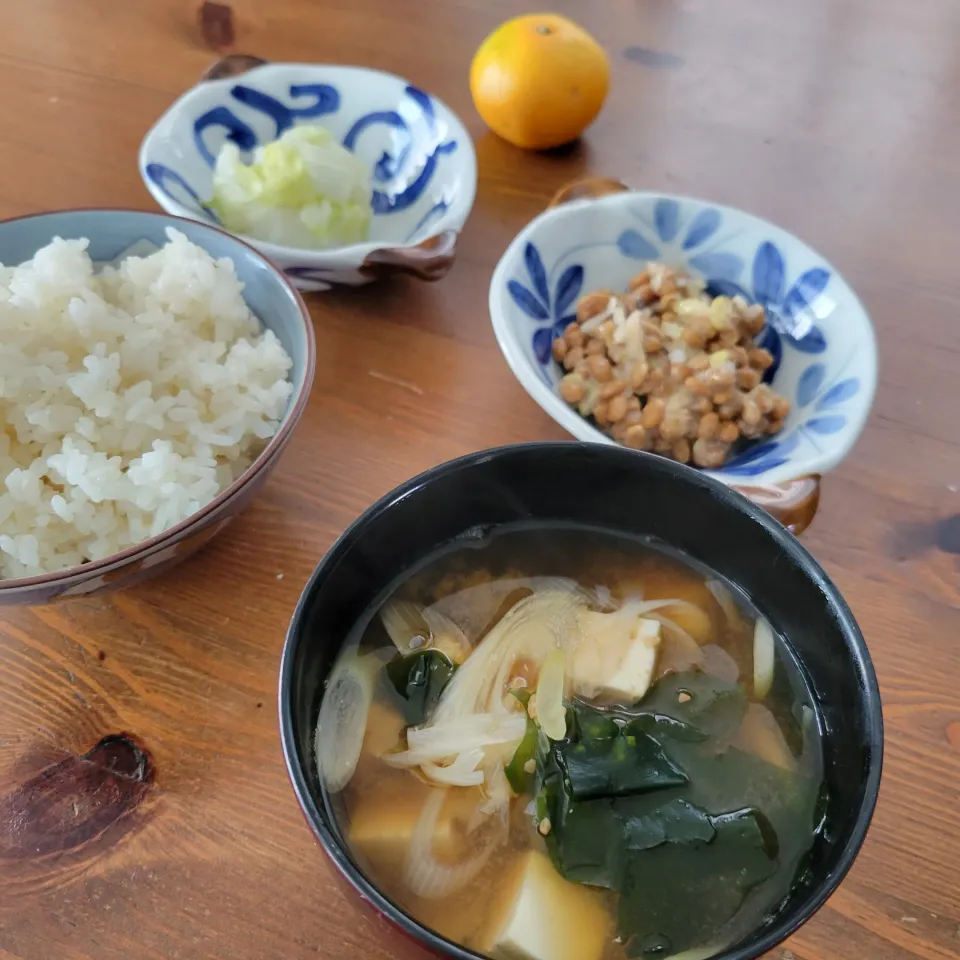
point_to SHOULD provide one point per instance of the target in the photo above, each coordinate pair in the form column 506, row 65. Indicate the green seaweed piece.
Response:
column 588, row 723
column 653, row 804
column 699, row 702
column 629, row 763
column 521, row 779
column 680, row 892
column 415, row 682
column 675, row 821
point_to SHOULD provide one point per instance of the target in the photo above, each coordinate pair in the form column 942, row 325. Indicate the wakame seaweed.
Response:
column 626, row 764
column 415, row 682
column 691, row 706
column 686, row 887
column 653, row 803
column 519, row 777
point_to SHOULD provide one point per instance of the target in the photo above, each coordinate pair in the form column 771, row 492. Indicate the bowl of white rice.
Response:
column 152, row 369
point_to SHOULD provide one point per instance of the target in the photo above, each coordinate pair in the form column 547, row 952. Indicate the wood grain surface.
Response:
column 839, row 119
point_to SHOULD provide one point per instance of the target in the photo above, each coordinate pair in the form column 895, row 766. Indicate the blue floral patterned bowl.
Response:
column 825, row 358
column 422, row 162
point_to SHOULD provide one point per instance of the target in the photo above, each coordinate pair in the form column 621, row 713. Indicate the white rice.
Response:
column 129, row 398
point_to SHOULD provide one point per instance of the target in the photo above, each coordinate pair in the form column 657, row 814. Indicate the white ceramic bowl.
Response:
column 422, row 162
column 818, row 331
column 113, row 235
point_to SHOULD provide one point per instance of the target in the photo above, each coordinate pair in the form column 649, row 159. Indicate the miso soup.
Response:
column 560, row 744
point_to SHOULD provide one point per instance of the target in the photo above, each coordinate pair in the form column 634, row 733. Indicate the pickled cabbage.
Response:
column 302, row 190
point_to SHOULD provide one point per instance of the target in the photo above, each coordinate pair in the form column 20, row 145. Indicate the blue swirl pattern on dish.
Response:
column 813, row 395
column 550, row 313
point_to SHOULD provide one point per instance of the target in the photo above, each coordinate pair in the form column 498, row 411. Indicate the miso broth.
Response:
column 560, row 744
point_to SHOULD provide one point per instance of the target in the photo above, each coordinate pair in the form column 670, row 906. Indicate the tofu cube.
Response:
column 760, row 734
column 382, row 823
column 541, row 916
column 616, row 657
column 384, row 729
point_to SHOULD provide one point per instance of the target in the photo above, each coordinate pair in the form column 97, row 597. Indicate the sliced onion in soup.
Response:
column 343, row 718
column 725, row 601
column 446, row 636
column 412, row 627
column 463, row 772
column 436, row 743
column 551, row 713
column 763, row 656
column 474, row 609
column 699, row 953
column 403, row 620
column 717, row 661
column 423, row 874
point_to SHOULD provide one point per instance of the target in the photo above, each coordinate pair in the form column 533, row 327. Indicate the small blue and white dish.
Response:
column 598, row 234
column 422, row 162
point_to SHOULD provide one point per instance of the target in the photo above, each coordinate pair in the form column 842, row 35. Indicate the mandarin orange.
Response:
column 539, row 81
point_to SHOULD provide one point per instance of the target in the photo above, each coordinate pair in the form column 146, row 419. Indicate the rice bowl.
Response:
column 146, row 393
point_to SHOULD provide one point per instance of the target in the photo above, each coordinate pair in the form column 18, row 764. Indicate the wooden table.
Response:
column 839, row 119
